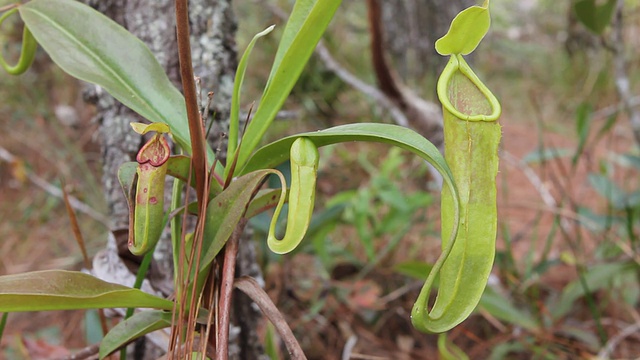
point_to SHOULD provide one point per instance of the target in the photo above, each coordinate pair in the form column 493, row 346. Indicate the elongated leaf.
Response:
column 415, row 269
column 502, row 308
column 598, row 277
column 630, row 161
column 91, row 47
column 127, row 177
column 508, row 350
column 583, row 125
column 540, row 156
column 305, row 27
column 618, row 198
column 178, row 166
column 132, row 328
column 234, row 122
column 226, row 210
column 265, row 199
column 66, row 290
column 277, row 152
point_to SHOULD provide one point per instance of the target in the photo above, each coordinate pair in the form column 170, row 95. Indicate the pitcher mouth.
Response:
column 487, row 102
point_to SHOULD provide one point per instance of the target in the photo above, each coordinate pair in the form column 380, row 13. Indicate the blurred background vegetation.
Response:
column 566, row 280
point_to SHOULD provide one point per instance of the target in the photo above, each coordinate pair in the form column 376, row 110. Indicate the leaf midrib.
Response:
column 94, row 56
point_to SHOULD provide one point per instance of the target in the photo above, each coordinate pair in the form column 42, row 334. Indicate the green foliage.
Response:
column 381, row 209
column 112, row 58
column 597, row 277
column 226, row 211
column 544, row 154
column 65, row 290
column 501, row 307
column 108, row 56
column 132, row 328
column 595, row 17
column 307, row 23
column 237, row 87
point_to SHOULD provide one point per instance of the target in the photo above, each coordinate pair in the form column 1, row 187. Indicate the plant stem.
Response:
column 226, row 290
column 196, row 131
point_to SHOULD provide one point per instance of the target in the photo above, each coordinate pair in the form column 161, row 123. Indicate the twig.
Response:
column 80, row 240
column 370, row 91
column 537, row 183
column 85, row 353
column 606, row 351
column 55, row 191
column 533, row 178
column 348, row 347
column 250, row 287
column 607, row 111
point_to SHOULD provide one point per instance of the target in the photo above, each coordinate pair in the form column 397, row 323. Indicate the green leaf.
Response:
column 109, row 56
column 66, row 290
column 597, row 277
column 92, row 327
column 583, row 124
column 506, row 351
column 3, row 323
column 466, row 31
column 178, row 166
column 502, row 308
column 277, row 152
column 630, row 161
column 415, row 269
column 580, row 333
column 225, row 211
column 308, row 21
column 607, row 126
column 127, row 178
column 234, row 122
column 264, row 199
column 595, row 17
column 132, row 328
column 539, row 156
column 618, row 198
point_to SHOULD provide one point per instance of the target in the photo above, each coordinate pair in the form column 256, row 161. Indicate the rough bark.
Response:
column 213, row 29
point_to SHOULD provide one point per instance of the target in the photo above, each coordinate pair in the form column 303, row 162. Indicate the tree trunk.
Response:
column 213, row 27
column 411, row 30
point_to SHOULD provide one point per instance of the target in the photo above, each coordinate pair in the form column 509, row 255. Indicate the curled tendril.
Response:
column 28, row 54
